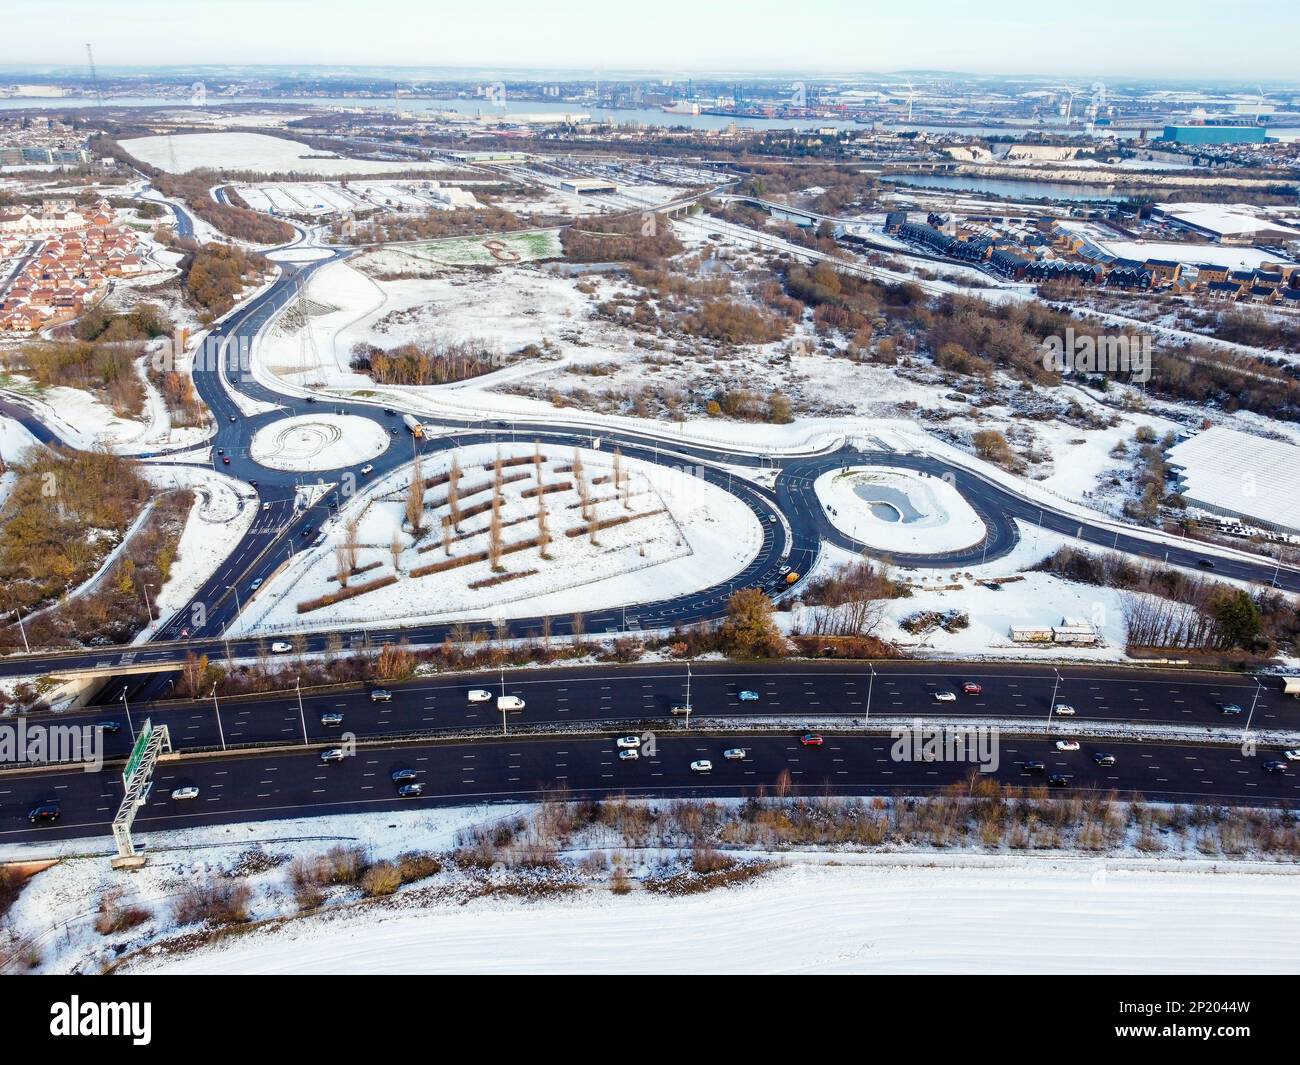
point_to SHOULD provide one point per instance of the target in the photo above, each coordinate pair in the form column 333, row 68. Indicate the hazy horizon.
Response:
column 1161, row 41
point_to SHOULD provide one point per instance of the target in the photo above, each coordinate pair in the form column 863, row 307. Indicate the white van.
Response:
column 509, row 702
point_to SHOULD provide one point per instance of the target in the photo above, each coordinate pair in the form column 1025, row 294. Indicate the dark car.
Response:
column 253, row 483
column 1205, row 563
column 44, row 814
column 400, row 775
column 307, row 532
column 311, row 399
column 389, row 411
column 1275, row 765
column 381, row 695
column 1035, row 767
column 1058, row 780
column 1103, row 759
column 1229, row 709
column 109, row 726
column 410, row 791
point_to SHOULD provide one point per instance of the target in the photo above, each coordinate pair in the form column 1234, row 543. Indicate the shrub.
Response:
column 382, row 878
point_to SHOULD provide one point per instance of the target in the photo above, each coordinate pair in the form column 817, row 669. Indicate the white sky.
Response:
column 1159, row 38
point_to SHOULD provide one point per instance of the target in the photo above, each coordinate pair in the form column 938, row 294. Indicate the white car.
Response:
column 629, row 755
column 946, row 697
column 367, row 470
column 478, row 695
column 1067, row 745
column 702, row 766
column 734, row 754
column 629, row 741
column 281, row 648
column 185, row 793
column 1063, row 710
column 1292, row 755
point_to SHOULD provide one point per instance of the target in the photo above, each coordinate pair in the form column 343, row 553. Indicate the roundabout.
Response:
column 898, row 510
column 314, row 442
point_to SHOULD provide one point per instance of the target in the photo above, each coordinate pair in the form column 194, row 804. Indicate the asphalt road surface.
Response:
column 643, row 695
column 295, row 784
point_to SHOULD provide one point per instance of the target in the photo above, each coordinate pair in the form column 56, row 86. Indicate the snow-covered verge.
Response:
column 1020, row 915
column 833, row 885
column 224, row 510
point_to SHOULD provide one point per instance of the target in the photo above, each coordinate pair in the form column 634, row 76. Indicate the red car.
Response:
column 225, row 459
column 810, row 740
column 971, row 688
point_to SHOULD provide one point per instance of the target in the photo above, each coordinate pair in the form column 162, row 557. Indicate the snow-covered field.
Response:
column 898, row 510
column 318, row 442
column 312, row 198
column 1016, row 916
column 253, row 151
column 684, row 534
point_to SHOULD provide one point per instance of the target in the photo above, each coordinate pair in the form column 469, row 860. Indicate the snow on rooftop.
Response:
column 1223, row 218
column 1241, row 474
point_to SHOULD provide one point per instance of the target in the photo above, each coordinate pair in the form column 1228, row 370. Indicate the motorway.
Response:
column 282, row 784
column 642, row 695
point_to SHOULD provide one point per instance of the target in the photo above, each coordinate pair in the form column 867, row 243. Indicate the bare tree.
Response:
column 453, row 494
column 344, row 558
column 584, row 496
column 395, row 551
column 543, row 529
column 494, row 530
column 415, row 500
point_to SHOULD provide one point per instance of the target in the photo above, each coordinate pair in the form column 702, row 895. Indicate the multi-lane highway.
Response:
column 282, row 784
column 643, row 695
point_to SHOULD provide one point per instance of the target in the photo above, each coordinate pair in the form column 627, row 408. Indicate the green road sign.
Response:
column 137, row 752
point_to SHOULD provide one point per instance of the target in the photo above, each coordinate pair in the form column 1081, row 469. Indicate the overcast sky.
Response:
column 1156, row 38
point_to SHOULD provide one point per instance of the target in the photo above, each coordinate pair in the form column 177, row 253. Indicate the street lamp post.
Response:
column 302, row 716
column 1051, row 707
column 127, row 707
column 1251, row 716
column 217, row 707
column 22, row 628
column 505, row 728
column 870, row 687
column 688, row 695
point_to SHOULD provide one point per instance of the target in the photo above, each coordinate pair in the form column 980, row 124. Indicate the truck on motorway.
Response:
column 415, row 425
column 1291, row 686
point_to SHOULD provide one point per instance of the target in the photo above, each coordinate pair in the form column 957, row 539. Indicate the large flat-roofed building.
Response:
column 1215, row 134
column 1241, row 476
column 590, row 184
